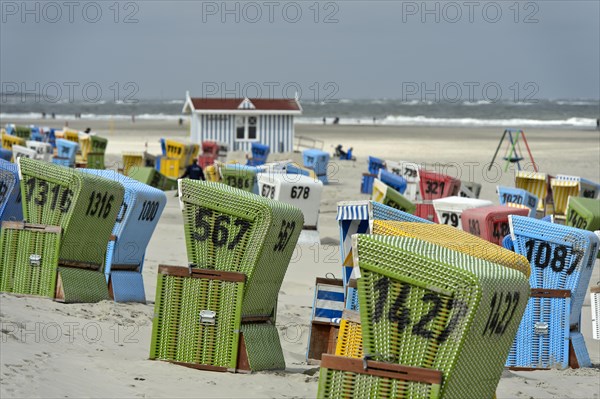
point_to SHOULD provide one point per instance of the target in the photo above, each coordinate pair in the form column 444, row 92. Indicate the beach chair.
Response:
column 132, row 160
column 29, row 258
column 366, row 183
column 71, row 135
column 410, row 172
column 300, row 191
column 228, row 229
column 435, row 185
column 5, row 155
column 561, row 260
column 393, row 180
column 23, row 152
column 66, row 153
column 564, row 186
column 518, row 197
column 357, row 217
column 469, row 189
column 210, row 153
column 345, row 377
column 292, row 168
column 375, row 165
column 534, row 182
column 44, row 151
column 328, row 305
column 595, row 305
column 139, row 214
column 95, row 156
column 349, row 339
column 450, row 209
column 583, row 213
column 240, row 176
column 423, row 305
column 260, row 153
column 10, row 192
column 317, row 161
column 197, row 318
column 85, row 207
column 38, row 133
column 386, row 195
column 490, row 222
column 23, row 132
column 8, row 141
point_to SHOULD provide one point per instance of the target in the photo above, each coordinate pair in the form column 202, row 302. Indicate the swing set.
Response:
column 513, row 153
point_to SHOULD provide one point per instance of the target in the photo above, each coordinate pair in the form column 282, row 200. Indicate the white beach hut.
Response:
column 241, row 121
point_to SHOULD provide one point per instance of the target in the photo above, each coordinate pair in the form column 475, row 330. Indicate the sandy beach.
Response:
column 101, row 350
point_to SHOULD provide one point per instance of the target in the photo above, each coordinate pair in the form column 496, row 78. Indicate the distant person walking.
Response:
column 598, row 123
column 194, row 171
column 324, row 120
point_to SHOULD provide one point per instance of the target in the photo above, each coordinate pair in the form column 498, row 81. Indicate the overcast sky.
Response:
column 366, row 49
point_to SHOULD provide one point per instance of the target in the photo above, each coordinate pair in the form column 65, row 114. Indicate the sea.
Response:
column 556, row 113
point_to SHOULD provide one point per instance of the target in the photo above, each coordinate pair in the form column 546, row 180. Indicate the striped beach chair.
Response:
column 10, row 192
column 328, row 305
column 534, row 182
column 561, row 259
column 139, row 214
column 423, row 305
column 349, row 339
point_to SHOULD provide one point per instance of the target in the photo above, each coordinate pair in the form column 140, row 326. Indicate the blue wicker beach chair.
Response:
column 317, row 160
column 561, row 259
column 135, row 223
column 375, row 165
column 5, row 155
column 260, row 153
column 511, row 196
column 393, row 180
column 10, row 192
column 66, row 153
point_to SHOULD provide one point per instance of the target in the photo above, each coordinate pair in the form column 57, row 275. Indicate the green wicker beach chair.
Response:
column 197, row 317
column 28, row 258
column 344, row 377
column 95, row 160
column 86, row 207
column 228, row 229
column 423, row 305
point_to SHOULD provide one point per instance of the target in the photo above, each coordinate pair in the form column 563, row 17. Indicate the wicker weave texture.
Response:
column 181, row 334
column 427, row 306
column 84, row 205
column 233, row 230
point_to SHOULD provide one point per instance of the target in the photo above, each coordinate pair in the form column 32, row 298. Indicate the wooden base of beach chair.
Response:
column 323, row 340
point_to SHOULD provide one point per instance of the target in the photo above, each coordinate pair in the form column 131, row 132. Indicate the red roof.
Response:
column 275, row 104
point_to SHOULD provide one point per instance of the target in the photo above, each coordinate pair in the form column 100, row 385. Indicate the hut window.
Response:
column 252, row 128
column 245, row 128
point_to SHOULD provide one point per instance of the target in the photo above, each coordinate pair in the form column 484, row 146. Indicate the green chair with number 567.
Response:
column 231, row 230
